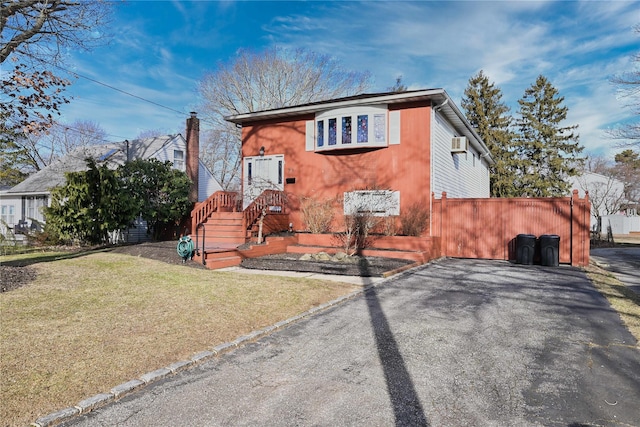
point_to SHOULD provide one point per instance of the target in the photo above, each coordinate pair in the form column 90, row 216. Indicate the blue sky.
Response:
column 161, row 49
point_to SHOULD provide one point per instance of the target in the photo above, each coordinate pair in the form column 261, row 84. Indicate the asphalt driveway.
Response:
column 453, row 343
column 623, row 262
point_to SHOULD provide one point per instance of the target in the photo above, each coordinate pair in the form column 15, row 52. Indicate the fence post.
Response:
column 580, row 214
column 444, row 225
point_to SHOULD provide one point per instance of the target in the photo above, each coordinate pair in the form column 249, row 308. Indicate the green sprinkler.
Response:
column 185, row 248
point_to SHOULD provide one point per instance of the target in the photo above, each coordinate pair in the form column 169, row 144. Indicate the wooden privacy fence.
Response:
column 487, row 228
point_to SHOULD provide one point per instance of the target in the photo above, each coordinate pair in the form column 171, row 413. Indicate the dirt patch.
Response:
column 166, row 252
column 15, row 277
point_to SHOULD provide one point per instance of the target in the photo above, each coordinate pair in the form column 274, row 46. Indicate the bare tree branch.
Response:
column 39, row 28
column 274, row 78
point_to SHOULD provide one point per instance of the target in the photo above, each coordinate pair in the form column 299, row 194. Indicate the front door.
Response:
column 261, row 173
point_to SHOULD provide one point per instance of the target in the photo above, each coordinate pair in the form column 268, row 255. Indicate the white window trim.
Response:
column 374, row 140
column 178, row 162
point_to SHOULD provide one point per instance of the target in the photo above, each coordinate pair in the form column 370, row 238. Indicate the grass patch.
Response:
column 625, row 301
column 91, row 322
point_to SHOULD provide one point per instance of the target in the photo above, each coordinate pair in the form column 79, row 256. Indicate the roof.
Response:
column 113, row 154
column 438, row 97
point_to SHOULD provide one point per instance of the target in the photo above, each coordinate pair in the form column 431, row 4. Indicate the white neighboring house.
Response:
column 22, row 205
column 607, row 203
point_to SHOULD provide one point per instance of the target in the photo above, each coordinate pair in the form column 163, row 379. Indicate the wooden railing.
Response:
column 270, row 201
column 220, row 200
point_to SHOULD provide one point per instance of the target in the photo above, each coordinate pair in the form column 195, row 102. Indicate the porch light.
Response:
column 261, row 151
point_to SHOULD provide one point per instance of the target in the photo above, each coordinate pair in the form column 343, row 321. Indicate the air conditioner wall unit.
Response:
column 459, row 144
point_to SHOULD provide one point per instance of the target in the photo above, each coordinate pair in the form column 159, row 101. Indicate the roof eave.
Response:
column 393, row 98
column 436, row 96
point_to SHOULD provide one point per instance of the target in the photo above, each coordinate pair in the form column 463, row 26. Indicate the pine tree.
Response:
column 548, row 152
column 486, row 112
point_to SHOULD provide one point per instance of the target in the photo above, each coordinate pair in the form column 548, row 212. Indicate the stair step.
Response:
column 230, row 261
column 223, row 230
column 212, row 255
column 223, row 222
column 224, row 240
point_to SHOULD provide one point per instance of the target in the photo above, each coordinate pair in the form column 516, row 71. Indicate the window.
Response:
column 8, row 215
column 320, row 133
column 346, row 130
column 380, row 127
column 178, row 159
column 249, row 174
column 279, row 171
column 32, row 207
column 363, row 128
column 335, row 129
column 374, row 202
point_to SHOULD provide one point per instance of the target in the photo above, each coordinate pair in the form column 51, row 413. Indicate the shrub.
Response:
column 388, row 226
column 317, row 214
column 357, row 233
column 414, row 220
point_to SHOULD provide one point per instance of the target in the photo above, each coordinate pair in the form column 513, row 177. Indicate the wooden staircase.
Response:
column 220, row 226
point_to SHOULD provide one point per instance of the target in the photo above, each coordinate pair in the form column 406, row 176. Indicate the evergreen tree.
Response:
column 627, row 170
column 548, row 152
column 89, row 205
column 490, row 117
column 158, row 192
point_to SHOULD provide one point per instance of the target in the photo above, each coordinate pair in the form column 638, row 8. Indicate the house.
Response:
column 21, row 205
column 380, row 153
column 608, row 203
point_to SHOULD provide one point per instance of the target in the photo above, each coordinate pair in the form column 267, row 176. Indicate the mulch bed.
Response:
column 351, row 266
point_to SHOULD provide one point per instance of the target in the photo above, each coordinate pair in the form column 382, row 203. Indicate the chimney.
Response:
column 193, row 153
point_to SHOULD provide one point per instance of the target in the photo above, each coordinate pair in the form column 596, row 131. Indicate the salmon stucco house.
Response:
column 380, row 153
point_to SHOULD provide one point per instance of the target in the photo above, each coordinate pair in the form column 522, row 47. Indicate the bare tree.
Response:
column 81, row 133
column 39, row 149
column 606, row 192
column 399, row 86
column 34, row 35
column 256, row 81
column 629, row 84
column 39, row 29
column 219, row 151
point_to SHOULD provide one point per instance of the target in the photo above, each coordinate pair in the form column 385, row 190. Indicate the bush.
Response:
column 415, row 220
column 317, row 214
column 388, row 226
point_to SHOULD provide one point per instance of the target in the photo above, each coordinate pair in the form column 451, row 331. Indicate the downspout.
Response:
column 432, row 120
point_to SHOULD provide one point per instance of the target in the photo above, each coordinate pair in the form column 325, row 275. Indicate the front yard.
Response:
column 83, row 323
column 88, row 323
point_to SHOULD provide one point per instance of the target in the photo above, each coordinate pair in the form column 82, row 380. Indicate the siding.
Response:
column 166, row 153
column 207, row 184
column 461, row 175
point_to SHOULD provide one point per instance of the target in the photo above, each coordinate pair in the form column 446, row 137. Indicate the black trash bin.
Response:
column 525, row 248
column 550, row 250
